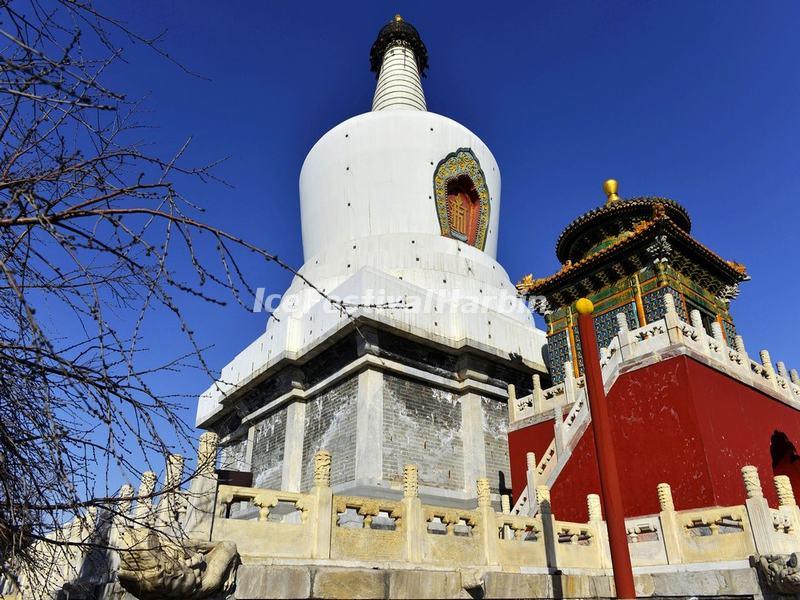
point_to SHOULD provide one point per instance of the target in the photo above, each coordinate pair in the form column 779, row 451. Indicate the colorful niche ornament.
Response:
column 462, row 198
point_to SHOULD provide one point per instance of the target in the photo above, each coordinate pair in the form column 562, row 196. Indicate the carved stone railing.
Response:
column 374, row 530
column 628, row 346
column 268, row 526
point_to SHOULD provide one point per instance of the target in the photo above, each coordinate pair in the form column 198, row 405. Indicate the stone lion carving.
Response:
column 780, row 572
column 153, row 567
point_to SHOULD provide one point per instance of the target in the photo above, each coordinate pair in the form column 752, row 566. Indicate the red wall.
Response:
column 678, row 422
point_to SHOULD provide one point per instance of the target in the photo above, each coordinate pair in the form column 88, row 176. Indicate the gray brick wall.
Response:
column 233, row 456
column 268, row 438
column 495, row 436
column 331, row 425
column 422, row 425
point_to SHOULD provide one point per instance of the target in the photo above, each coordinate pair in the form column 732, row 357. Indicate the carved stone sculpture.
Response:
column 780, row 572
column 154, row 567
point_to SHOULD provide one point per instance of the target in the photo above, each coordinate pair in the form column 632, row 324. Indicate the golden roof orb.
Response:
column 610, row 187
column 398, row 18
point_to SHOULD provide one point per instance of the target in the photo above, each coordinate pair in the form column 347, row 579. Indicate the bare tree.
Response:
column 95, row 238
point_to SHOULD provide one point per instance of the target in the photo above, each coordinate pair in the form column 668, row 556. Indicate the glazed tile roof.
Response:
column 661, row 221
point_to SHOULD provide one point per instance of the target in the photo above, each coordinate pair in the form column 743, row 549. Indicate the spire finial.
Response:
column 399, row 58
column 610, row 187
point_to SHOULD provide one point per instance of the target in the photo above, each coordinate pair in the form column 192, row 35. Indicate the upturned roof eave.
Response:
column 608, row 256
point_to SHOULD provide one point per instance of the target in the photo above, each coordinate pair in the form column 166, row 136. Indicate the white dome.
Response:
column 373, row 174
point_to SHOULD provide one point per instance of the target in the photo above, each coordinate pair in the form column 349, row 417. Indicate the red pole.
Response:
column 606, row 459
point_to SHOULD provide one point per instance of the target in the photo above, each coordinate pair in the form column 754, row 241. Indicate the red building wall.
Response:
column 679, row 422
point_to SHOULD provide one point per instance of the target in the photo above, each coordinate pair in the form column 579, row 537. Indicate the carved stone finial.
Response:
column 665, row 502
column 783, row 486
column 716, row 332
column 174, row 471
column 794, row 376
column 669, row 303
column 505, row 504
column 752, row 484
column 125, row 496
column 622, row 321
column 512, row 392
column 542, row 494
column 410, row 481
column 144, row 501
column 484, row 492
column 536, row 395
column 696, row 319
column 782, row 369
column 207, row 453
column 739, row 343
column 530, row 457
column 766, row 361
column 593, row 505
column 322, row 468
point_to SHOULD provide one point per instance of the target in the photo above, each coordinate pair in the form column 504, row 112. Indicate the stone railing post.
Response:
column 143, row 514
column 120, row 523
column 126, row 502
column 513, row 409
column 593, row 508
column 719, row 337
column 505, row 508
column 570, row 388
column 596, row 520
column 766, row 362
column 414, row 519
column 536, row 395
column 786, row 501
column 783, row 487
column 207, row 450
column 758, row 512
column 697, row 323
column 199, row 516
column 670, row 528
column 530, row 475
column 738, row 345
column 321, row 517
column 169, row 505
column 121, row 518
column 626, row 346
column 488, row 521
column 672, row 320
column 782, row 369
column 548, row 525
column 794, row 377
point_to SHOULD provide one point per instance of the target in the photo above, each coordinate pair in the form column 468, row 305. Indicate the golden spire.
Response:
column 610, row 187
column 398, row 18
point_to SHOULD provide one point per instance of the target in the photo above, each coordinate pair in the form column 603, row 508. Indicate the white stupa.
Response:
column 400, row 209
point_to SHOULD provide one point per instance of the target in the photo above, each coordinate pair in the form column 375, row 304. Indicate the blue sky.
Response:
column 696, row 101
